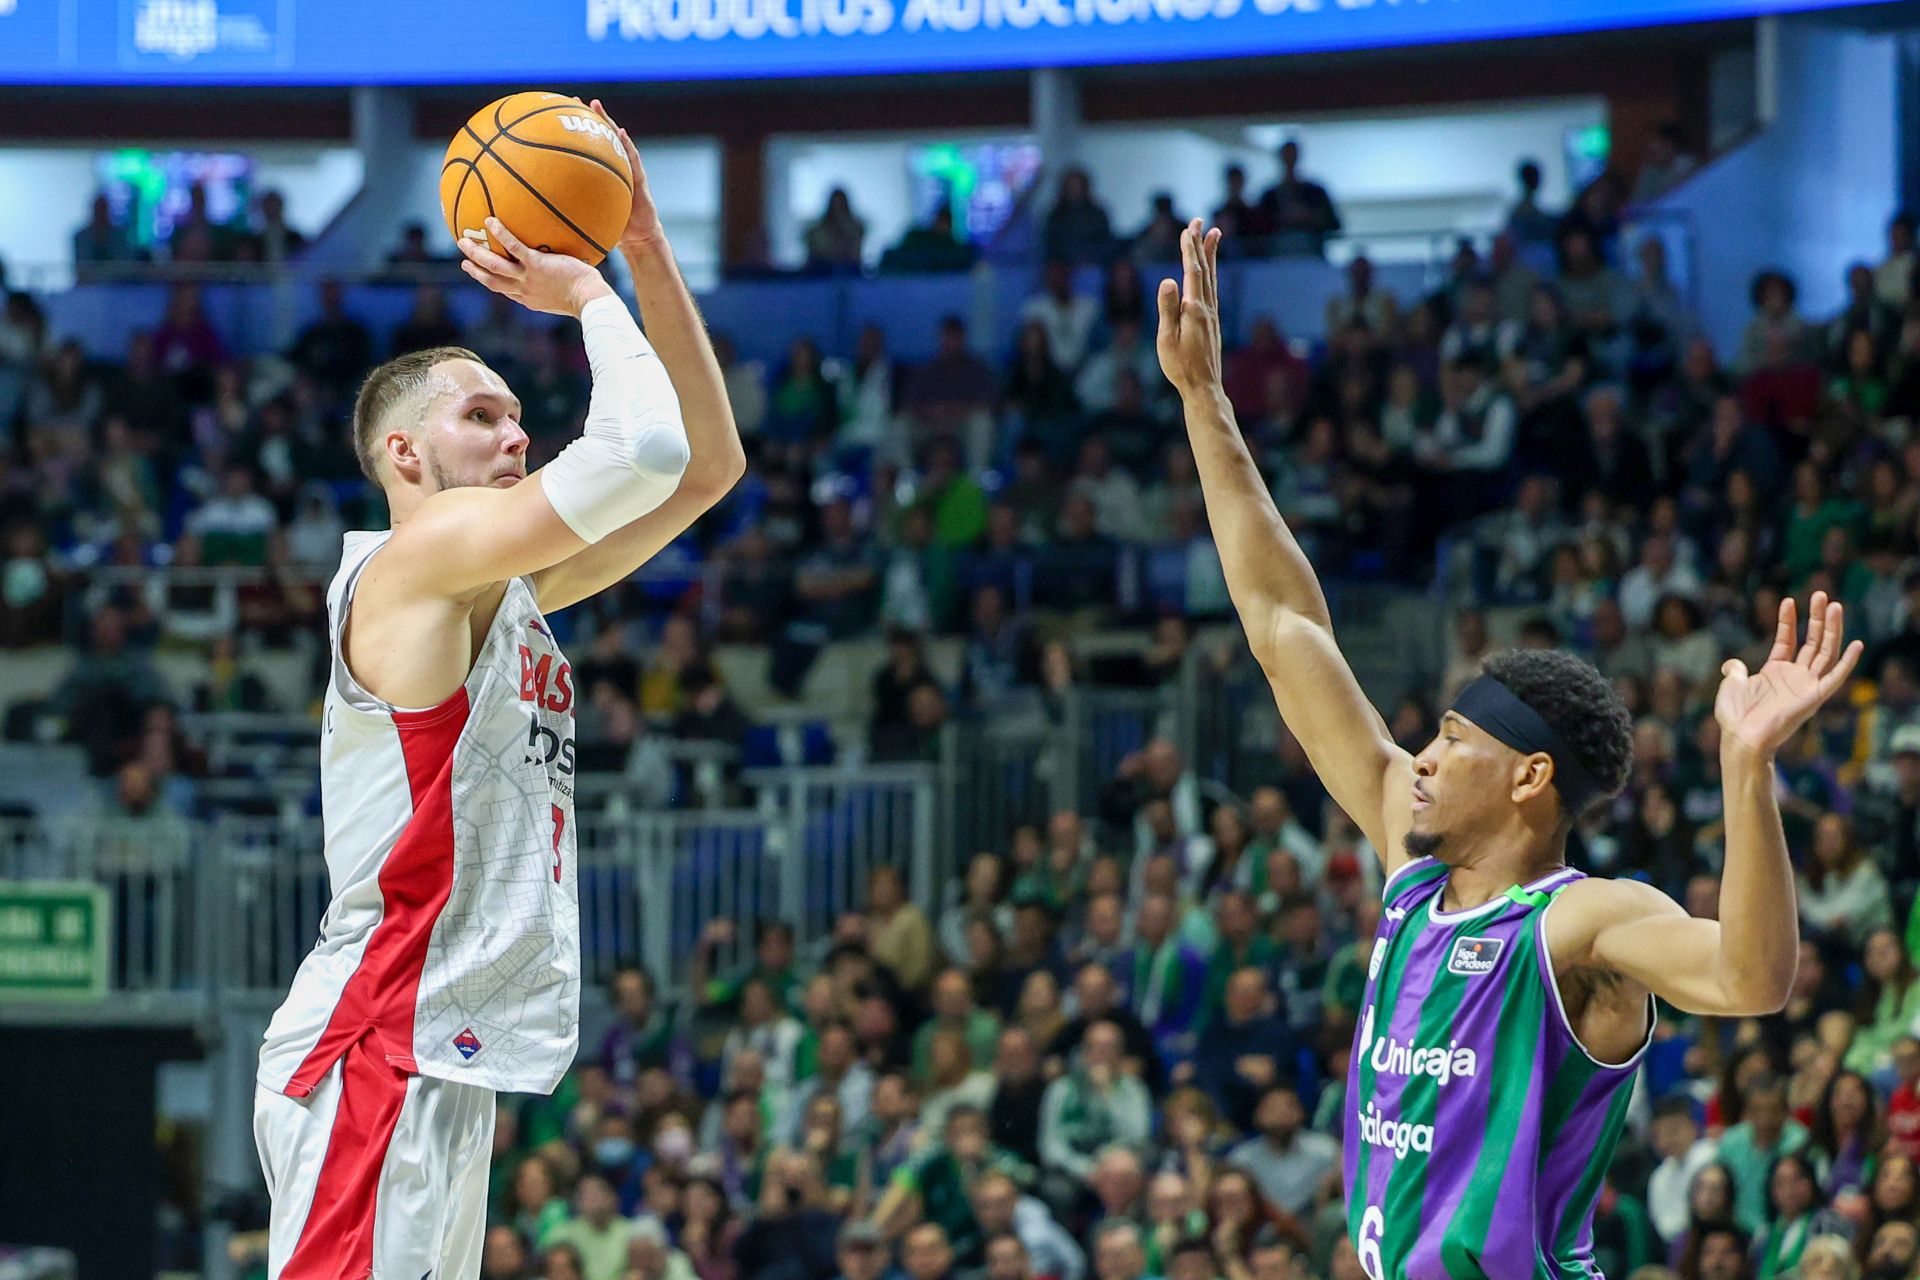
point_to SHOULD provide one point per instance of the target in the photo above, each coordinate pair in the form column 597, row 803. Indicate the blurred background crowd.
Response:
column 1109, row 1039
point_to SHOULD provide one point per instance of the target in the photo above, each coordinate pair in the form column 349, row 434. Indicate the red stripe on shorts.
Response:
column 336, row 1242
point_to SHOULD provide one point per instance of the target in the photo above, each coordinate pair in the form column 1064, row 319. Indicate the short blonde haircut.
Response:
column 397, row 380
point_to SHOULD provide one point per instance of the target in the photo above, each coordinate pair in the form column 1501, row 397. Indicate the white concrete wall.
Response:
column 1812, row 192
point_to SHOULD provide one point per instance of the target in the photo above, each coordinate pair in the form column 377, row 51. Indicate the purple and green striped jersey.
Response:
column 1478, row 1127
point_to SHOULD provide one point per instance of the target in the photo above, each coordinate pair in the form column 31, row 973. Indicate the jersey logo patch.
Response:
column 467, row 1043
column 1474, row 956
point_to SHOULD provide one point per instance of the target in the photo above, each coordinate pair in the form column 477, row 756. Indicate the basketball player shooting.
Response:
column 1509, row 997
column 448, row 965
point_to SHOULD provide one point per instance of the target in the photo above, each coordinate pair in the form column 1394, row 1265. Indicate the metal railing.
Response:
column 1001, row 772
column 229, row 907
column 1138, row 578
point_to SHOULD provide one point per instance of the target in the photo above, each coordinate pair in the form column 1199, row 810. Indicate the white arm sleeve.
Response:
column 634, row 450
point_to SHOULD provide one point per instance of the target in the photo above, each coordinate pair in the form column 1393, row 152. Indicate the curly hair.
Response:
column 1581, row 707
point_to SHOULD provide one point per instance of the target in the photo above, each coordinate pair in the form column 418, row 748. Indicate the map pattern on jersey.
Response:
column 507, row 942
column 1477, row 1128
column 449, row 830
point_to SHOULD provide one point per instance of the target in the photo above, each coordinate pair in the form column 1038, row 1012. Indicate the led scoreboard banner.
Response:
column 552, row 41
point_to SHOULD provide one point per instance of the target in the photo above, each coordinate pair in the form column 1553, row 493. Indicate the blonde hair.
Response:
column 397, row 380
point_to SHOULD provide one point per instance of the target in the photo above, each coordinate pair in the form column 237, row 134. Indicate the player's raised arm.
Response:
column 1273, row 586
column 679, row 336
column 470, row 532
column 1744, row 962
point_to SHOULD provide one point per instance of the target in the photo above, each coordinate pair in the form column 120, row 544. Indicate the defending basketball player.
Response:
column 1509, row 997
column 448, row 965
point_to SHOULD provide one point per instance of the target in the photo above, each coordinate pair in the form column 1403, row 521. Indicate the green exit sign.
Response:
column 53, row 940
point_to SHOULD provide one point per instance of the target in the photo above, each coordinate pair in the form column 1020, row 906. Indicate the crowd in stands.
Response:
column 1586, row 449
column 256, row 232
column 1293, row 217
column 1117, row 1046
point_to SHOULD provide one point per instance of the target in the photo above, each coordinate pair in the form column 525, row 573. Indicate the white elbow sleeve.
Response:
column 630, row 458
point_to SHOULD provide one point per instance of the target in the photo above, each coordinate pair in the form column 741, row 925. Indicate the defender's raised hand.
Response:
column 1762, row 710
column 1189, row 339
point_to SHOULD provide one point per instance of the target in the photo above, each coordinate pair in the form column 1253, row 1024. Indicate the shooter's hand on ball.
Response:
column 643, row 225
column 1760, row 711
column 1189, row 341
column 551, row 282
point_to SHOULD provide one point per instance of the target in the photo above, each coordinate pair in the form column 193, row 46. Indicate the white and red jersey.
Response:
column 454, row 931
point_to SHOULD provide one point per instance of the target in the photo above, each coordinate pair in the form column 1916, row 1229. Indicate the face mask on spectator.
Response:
column 25, row 582
column 673, row 1145
column 615, row 1151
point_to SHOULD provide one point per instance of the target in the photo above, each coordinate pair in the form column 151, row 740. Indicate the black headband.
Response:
column 1498, row 710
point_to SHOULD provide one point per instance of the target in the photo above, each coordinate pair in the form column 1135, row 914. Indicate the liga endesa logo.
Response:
column 1474, row 956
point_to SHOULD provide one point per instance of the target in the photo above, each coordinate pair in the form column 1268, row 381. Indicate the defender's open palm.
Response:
column 1762, row 710
column 551, row 282
column 1189, row 341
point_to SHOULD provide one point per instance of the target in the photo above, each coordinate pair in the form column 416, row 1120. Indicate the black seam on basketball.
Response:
column 537, row 111
column 486, row 192
column 472, row 168
column 473, row 171
column 486, row 149
column 506, row 131
column 569, row 151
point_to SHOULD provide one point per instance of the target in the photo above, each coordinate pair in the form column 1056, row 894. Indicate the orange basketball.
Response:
column 547, row 167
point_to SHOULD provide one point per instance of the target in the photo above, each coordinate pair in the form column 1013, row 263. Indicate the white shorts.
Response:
column 377, row 1172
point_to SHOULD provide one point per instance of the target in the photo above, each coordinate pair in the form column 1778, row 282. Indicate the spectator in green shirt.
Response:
column 1346, row 982
column 1242, row 946
column 938, row 1179
column 1749, row 1148
column 954, row 1010
column 821, row 1136
column 773, row 962
column 1795, row 1217
column 537, row 1208
column 1891, row 990
column 1814, row 510
column 956, row 500
column 1095, row 1104
column 598, row 1232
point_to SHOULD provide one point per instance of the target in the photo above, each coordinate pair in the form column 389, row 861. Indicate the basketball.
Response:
column 547, row 167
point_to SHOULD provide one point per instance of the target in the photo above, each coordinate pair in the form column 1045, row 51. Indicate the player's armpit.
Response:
column 1638, row 932
column 462, row 540
column 1366, row 772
